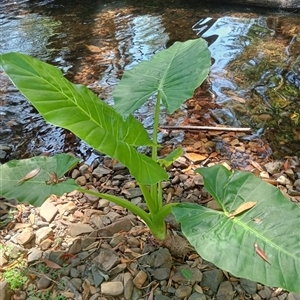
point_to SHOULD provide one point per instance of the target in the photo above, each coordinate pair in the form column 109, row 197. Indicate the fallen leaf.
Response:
column 50, row 264
column 86, row 289
column 256, row 165
column 29, row 175
column 242, row 208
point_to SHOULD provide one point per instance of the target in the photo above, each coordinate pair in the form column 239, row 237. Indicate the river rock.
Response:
column 225, row 291
column 212, row 279
column 128, row 286
column 140, row 279
column 43, row 283
column 248, row 285
column 197, row 296
column 183, row 291
column 113, row 288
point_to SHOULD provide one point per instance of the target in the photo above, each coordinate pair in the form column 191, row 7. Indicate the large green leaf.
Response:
column 77, row 109
column 273, row 223
column 35, row 190
column 175, row 73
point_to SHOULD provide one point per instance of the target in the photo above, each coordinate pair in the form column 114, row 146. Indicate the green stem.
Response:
column 154, row 187
column 163, row 212
column 157, row 228
column 148, row 199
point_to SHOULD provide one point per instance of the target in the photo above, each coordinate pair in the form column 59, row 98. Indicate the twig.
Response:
column 206, row 128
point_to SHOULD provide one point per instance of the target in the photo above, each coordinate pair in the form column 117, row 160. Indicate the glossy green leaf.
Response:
column 175, row 73
column 35, row 190
column 273, row 223
column 79, row 110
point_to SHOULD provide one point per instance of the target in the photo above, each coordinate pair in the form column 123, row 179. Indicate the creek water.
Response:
column 255, row 73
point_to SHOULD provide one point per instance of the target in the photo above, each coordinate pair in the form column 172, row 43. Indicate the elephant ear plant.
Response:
column 256, row 233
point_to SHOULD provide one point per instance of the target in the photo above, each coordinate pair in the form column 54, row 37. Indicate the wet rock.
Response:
column 25, row 236
column 123, row 224
column 140, row 279
column 106, row 259
column 48, row 211
column 42, row 234
column 183, row 291
column 225, row 291
column 43, row 283
column 248, row 285
column 113, row 288
column 78, row 229
column 5, row 291
column 212, row 279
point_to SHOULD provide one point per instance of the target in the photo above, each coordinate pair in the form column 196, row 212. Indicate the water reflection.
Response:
column 93, row 42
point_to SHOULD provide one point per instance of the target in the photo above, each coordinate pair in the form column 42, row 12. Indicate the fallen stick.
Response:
column 206, row 128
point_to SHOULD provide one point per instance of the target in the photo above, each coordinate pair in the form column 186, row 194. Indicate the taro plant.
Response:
column 255, row 234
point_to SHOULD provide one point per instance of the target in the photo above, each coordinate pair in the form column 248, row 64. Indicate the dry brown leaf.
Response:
column 29, row 175
column 256, row 165
column 86, row 289
column 50, row 264
column 242, row 208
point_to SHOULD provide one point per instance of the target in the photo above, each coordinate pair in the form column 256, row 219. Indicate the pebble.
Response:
column 183, row 291
column 225, row 291
column 100, row 172
column 113, row 288
column 43, row 283
column 106, row 259
column 128, row 285
column 48, row 211
column 248, row 285
column 212, row 279
column 197, row 296
column 161, row 273
column 81, row 180
column 140, row 279
column 34, row 255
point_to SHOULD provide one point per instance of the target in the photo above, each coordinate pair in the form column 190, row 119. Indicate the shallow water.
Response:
column 255, row 72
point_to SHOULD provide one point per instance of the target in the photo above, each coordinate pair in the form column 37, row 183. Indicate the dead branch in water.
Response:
column 187, row 128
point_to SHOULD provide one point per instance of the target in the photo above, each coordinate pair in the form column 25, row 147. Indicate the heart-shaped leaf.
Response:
column 79, row 110
column 174, row 73
column 232, row 243
column 35, row 190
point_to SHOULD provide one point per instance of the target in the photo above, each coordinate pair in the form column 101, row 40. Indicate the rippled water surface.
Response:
column 255, row 73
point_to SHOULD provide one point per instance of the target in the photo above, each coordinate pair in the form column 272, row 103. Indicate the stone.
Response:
column 92, row 198
column 84, row 169
column 293, row 296
column 265, row 293
column 48, row 211
column 273, row 167
column 45, row 244
column 212, row 279
column 106, row 259
column 140, row 279
column 5, row 291
column 76, row 247
column 195, row 275
column 123, row 224
column 225, row 291
column 81, row 180
column 25, row 236
column 249, row 286
column 183, row 291
column 34, row 255
column 197, row 296
column 78, row 229
column 113, row 288
column 128, row 286
column 74, row 273
column 43, row 283
column 161, row 273
column 75, row 173
column 198, row 179
column 283, row 180
column 100, row 172
column 134, row 193
column 42, row 234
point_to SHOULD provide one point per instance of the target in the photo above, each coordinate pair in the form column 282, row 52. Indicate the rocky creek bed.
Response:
column 81, row 247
